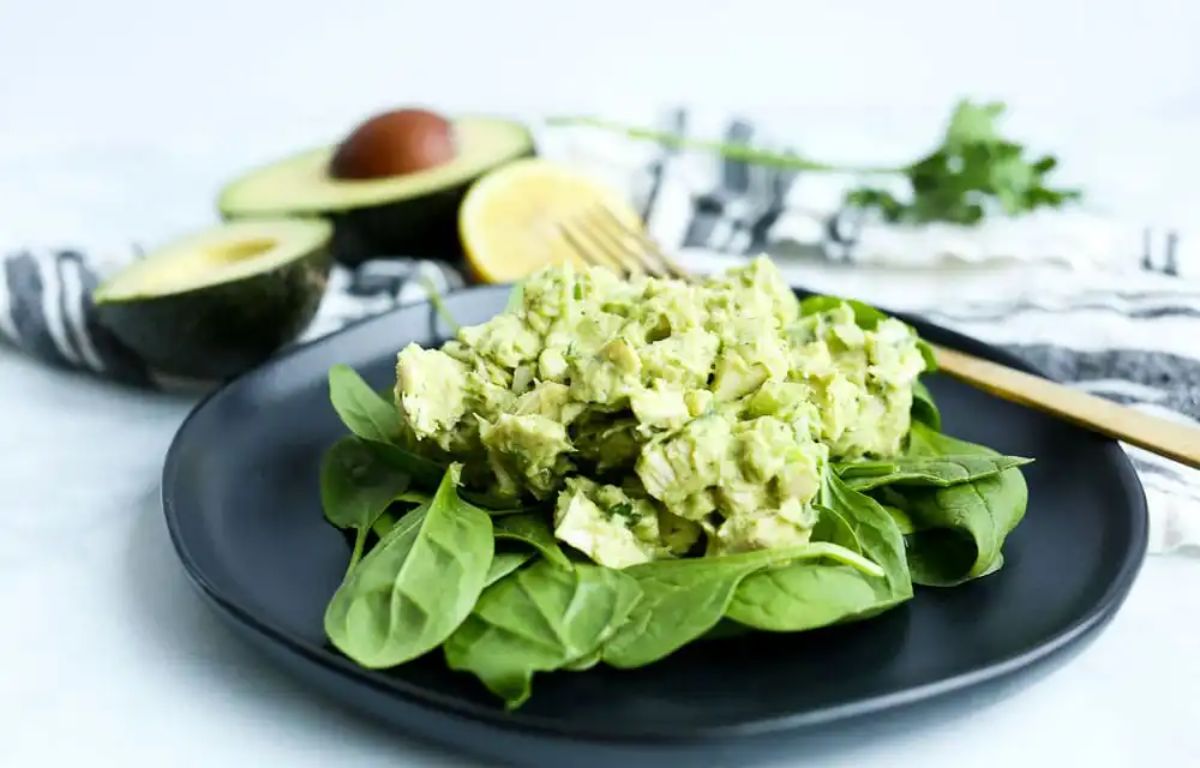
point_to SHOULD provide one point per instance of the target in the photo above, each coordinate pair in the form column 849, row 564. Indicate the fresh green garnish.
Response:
column 929, row 471
column 624, row 509
column 416, row 585
column 356, row 488
column 973, row 170
column 532, row 530
column 539, row 619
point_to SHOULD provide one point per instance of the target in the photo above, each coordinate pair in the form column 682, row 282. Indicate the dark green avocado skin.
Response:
column 218, row 331
column 424, row 227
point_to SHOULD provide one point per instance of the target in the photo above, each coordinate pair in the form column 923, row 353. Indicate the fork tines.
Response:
column 598, row 236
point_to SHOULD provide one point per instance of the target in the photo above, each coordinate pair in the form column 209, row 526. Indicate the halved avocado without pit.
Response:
column 216, row 303
column 412, row 214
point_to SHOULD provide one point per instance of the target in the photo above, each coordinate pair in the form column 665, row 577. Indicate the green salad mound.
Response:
column 611, row 469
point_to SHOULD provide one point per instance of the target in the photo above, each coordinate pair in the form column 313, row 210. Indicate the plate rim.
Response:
column 1084, row 625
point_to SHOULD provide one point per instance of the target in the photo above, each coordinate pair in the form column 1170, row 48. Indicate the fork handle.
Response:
column 1180, row 442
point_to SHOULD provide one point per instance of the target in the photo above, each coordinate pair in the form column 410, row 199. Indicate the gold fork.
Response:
column 598, row 236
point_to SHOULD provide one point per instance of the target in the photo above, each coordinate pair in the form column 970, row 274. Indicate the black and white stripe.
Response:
column 46, row 308
column 1140, row 348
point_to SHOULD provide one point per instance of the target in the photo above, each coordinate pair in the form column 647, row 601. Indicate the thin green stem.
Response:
column 413, row 497
column 435, row 298
column 360, row 541
column 383, row 524
column 731, row 150
column 842, row 555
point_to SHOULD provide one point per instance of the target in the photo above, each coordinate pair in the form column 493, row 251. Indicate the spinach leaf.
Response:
column 539, row 619
column 901, row 518
column 865, row 316
column 860, row 523
column 806, row 595
column 504, row 563
column 414, row 497
column 681, row 600
column 383, row 524
column 926, row 441
column 931, row 365
column 531, row 529
column 361, row 408
column 685, row 599
column 377, row 422
column 959, row 530
column 425, row 472
column 416, row 585
column 939, row 471
column 356, row 488
column 924, row 409
column 726, row 628
column 505, row 511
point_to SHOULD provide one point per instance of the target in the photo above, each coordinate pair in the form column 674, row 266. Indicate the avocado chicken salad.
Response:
column 611, row 469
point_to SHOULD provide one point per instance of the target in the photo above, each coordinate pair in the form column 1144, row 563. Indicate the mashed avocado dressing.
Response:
column 659, row 413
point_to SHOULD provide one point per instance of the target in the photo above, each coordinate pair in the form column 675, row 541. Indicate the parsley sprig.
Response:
column 972, row 172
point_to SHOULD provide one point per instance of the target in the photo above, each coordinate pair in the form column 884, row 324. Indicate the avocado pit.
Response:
column 395, row 143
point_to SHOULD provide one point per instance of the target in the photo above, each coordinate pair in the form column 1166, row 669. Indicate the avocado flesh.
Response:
column 411, row 215
column 212, row 305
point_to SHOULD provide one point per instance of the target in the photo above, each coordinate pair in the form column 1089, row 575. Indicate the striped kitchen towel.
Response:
column 1085, row 299
column 46, row 308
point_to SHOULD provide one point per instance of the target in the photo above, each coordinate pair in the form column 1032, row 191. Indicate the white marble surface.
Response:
column 119, row 119
column 111, row 658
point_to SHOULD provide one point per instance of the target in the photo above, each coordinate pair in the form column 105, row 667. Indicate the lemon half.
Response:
column 511, row 220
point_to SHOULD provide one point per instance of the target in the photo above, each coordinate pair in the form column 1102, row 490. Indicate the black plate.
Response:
column 241, row 500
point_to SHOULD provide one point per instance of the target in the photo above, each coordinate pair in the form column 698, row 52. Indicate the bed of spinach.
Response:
column 504, row 601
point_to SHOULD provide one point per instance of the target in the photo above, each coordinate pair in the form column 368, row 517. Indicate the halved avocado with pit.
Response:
column 414, row 214
column 216, row 303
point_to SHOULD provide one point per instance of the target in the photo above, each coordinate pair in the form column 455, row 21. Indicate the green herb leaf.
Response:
column 531, row 529
column 361, row 408
column 383, row 524
column 865, row 316
column 685, row 599
column 504, row 563
column 924, row 409
column 416, row 585
column 974, row 167
column 959, row 530
column 539, row 619
column 378, row 422
column 972, row 171
column 624, row 509
column 356, row 488
column 938, row 471
column 806, row 595
column 858, row 522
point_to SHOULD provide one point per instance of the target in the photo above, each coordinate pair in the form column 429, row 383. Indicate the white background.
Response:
column 120, row 119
